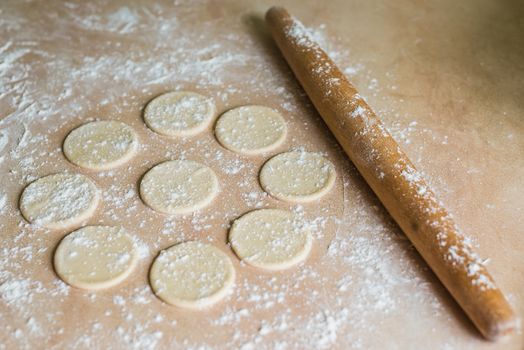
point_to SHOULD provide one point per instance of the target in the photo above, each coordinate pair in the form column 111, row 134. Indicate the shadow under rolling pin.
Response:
column 393, row 178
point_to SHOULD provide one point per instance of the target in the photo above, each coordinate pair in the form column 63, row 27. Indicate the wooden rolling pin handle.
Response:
column 394, row 179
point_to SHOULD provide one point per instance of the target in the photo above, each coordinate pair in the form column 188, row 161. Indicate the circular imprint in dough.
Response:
column 251, row 129
column 297, row 176
column 180, row 113
column 95, row 257
column 271, row 239
column 59, row 201
column 101, row 145
column 179, row 187
column 192, row 274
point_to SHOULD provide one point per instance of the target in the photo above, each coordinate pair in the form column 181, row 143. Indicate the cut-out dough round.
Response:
column 251, row 129
column 297, row 176
column 192, row 274
column 101, row 145
column 271, row 239
column 95, row 257
column 59, row 201
column 180, row 113
column 179, row 187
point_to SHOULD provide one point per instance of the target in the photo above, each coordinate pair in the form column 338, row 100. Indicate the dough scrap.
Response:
column 179, row 187
column 101, row 145
column 251, row 129
column 95, row 257
column 297, row 176
column 180, row 113
column 192, row 274
column 59, row 201
column 271, row 239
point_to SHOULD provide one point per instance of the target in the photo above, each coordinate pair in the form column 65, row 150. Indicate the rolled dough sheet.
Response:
column 101, row 145
column 271, row 239
column 179, row 113
column 60, row 200
column 179, row 187
column 251, row 129
column 297, row 176
column 192, row 274
column 95, row 257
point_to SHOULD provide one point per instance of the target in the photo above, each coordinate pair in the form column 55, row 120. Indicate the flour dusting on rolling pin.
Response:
column 393, row 178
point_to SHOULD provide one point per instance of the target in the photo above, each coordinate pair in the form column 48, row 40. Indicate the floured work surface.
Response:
column 453, row 105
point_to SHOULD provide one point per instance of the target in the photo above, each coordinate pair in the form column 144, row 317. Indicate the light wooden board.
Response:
column 445, row 77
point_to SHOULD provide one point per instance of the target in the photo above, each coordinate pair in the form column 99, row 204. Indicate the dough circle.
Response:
column 179, row 187
column 192, row 275
column 180, row 113
column 59, row 201
column 251, row 129
column 95, row 257
column 297, row 176
column 271, row 239
column 101, row 145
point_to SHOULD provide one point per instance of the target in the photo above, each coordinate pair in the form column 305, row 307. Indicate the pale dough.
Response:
column 95, row 257
column 297, row 176
column 192, row 274
column 180, row 113
column 101, row 145
column 251, row 129
column 271, row 239
column 59, row 201
column 179, row 187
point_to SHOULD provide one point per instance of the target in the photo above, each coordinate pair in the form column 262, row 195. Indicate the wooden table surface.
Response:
column 447, row 79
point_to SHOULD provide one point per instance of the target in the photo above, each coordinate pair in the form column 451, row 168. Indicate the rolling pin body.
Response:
column 393, row 178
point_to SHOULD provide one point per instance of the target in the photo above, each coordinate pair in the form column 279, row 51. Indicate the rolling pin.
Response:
column 393, row 178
